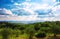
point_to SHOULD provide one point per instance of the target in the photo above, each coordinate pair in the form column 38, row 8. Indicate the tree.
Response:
column 30, row 31
column 55, row 29
column 5, row 33
column 37, row 26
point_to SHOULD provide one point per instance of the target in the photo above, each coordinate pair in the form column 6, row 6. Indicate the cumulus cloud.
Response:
column 32, row 11
column 31, row 7
column 20, row 18
column 56, row 11
column 4, row 11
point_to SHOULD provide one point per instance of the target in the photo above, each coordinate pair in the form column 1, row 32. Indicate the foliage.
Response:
column 29, row 29
column 40, row 35
column 5, row 33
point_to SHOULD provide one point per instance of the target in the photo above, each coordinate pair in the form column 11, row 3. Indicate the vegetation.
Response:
column 30, row 31
column 41, row 35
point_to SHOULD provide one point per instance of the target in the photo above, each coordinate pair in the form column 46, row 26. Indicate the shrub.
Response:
column 40, row 35
column 5, row 33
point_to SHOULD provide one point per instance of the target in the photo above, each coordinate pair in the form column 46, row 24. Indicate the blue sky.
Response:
column 29, row 10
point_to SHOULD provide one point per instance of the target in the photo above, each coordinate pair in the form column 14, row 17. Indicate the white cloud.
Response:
column 31, row 8
column 28, row 18
column 16, row 3
column 20, row 18
column 56, row 11
column 28, row 0
column 5, row 11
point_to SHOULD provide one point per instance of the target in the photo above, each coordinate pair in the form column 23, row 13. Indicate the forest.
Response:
column 39, row 30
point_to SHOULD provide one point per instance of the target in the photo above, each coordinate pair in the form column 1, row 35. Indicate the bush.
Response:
column 40, row 35
column 5, row 33
column 17, row 32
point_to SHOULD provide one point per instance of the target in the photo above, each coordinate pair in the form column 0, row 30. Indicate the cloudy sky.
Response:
column 29, row 10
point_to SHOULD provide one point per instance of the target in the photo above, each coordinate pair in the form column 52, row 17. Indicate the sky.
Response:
column 30, row 10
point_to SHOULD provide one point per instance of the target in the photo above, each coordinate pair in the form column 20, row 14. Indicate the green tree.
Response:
column 55, row 29
column 30, row 31
column 6, row 33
